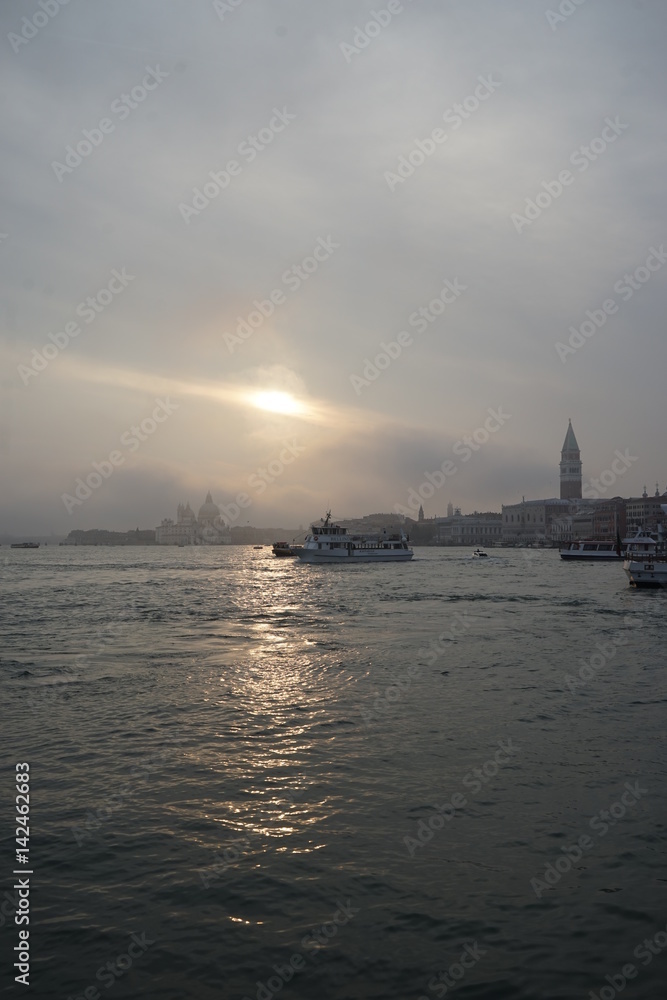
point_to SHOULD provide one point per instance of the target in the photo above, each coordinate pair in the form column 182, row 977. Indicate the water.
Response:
column 233, row 755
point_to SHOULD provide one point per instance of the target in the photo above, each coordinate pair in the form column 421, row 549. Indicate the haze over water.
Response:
column 228, row 748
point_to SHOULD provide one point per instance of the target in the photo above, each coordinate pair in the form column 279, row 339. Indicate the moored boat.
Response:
column 592, row 549
column 644, row 565
column 282, row 549
column 330, row 543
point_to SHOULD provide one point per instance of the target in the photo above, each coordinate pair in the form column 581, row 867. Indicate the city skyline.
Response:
column 432, row 504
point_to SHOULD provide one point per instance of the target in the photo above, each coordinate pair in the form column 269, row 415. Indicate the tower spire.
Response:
column 570, row 467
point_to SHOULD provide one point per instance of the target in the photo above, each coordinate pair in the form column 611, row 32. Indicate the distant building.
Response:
column 207, row 528
column 609, row 519
column 556, row 520
column 570, row 467
column 530, row 522
column 469, row 529
column 645, row 512
column 100, row 536
column 372, row 522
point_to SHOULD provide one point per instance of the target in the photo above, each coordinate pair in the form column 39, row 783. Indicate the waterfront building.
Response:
column 610, row 519
column 206, row 528
column 558, row 519
column 645, row 512
column 469, row 529
column 530, row 522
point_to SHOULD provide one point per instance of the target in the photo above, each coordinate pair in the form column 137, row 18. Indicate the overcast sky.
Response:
column 304, row 120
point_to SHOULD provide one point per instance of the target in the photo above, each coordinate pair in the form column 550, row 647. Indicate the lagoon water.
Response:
column 370, row 772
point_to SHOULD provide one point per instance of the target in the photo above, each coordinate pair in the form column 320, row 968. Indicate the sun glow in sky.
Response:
column 277, row 402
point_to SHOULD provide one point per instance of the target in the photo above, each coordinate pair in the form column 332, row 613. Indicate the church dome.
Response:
column 208, row 510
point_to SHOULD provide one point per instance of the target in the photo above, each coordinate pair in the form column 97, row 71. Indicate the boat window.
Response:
column 605, row 548
column 590, row 548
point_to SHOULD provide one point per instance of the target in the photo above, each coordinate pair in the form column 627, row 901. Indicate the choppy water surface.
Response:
column 247, row 762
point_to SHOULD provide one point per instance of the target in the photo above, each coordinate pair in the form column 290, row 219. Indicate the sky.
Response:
column 216, row 217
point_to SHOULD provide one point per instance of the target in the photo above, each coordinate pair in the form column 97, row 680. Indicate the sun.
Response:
column 277, row 402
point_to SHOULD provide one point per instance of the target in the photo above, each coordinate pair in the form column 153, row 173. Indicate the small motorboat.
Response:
column 283, row 549
column 258, row 546
column 480, row 554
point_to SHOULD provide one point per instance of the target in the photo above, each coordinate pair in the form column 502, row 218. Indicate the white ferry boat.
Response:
column 644, row 565
column 329, row 543
column 589, row 548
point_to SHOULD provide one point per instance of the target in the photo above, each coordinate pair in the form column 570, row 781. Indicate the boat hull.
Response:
column 646, row 574
column 283, row 551
column 346, row 557
column 590, row 556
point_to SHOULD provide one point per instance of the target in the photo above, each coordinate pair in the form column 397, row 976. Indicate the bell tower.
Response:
column 570, row 467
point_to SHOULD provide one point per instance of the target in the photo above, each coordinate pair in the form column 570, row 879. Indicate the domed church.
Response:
column 207, row 528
